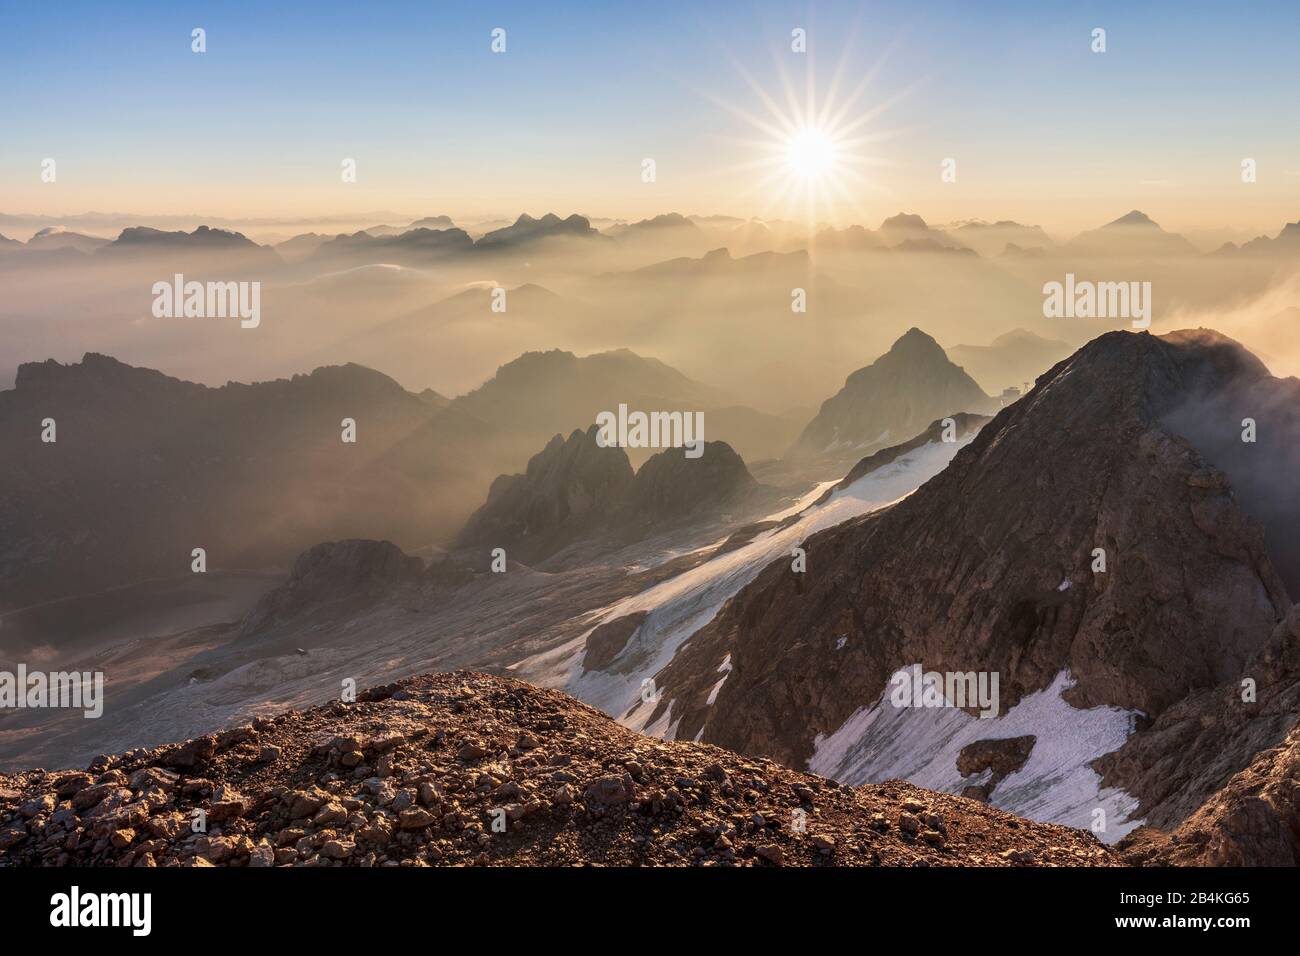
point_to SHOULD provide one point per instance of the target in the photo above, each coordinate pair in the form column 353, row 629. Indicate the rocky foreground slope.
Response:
column 466, row 769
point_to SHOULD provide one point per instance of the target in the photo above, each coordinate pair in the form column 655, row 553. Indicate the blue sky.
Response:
column 1041, row 127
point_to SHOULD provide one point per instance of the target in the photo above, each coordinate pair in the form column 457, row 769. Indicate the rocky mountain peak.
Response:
column 670, row 486
column 905, row 221
column 916, row 346
column 569, row 488
column 892, row 400
column 1133, row 218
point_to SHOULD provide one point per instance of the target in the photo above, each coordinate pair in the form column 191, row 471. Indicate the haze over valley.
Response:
column 769, row 460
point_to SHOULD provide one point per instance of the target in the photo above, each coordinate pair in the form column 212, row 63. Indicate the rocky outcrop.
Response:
column 1204, row 760
column 569, row 489
column 577, row 491
column 465, row 769
column 671, row 487
column 607, row 641
column 892, row 400
column 1252, row 821
column 995, row 565
column 336, row 570
column 1000, row 758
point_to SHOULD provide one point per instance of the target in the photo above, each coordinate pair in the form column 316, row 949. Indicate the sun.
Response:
column 815, row 148
column 810, row 153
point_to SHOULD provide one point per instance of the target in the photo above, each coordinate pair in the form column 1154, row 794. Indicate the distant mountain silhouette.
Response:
column 540, row 388
column 526, row 229
column 251, row 473
column 1133, row 234
column 202, row 250
column 56, row 237
column 1013, row 251
column 433, row 222
column 668, row 225
column 993, row 238
column 891, row 400
column 1010, row 360
column 1285, row 243
column 850, row 237
column 302, row 245
column 912, row 229
column 412, row 247
column 145, row 238
column 719, row 262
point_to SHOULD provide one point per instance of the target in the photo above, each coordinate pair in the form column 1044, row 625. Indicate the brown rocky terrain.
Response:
column 1253, row 821
column 416, row 773
column 1219, row 770
column 989, row 567
column 351, row 573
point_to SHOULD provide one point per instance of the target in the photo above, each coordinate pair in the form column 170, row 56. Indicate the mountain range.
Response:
column 1132, row 235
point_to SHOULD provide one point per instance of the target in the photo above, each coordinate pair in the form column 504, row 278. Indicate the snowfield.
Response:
column 1055, row 785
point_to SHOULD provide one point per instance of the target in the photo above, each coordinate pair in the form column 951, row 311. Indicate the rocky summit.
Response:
column 892, row 400
column 463, row 769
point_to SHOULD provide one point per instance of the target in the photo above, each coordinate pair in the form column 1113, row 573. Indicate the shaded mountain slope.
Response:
column 569, row 489
column 146, row 467
column 989, row 567
column 575, row 490
column 892, row 400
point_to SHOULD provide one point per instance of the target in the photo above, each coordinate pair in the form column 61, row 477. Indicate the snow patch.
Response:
column 1055, row 785
column 725, row 670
